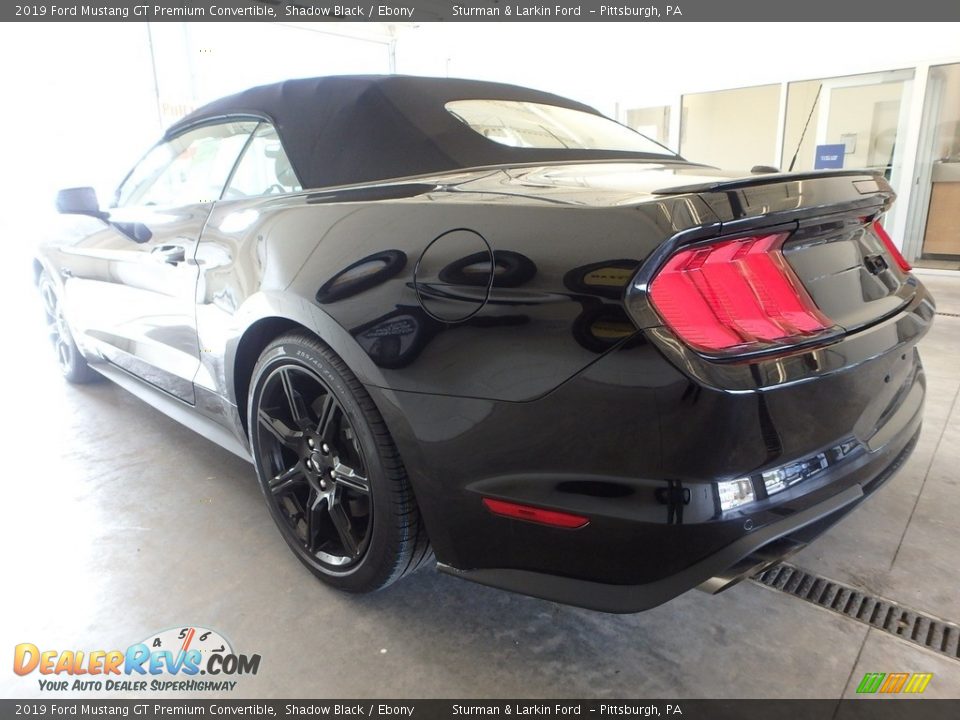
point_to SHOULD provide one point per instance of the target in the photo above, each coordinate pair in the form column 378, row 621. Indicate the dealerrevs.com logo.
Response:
column 188, row 659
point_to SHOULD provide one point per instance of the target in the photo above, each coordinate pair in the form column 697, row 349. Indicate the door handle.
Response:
column 171, row 254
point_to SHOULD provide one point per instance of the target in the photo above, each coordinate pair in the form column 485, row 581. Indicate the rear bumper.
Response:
column 803, row 522
column 638, row 443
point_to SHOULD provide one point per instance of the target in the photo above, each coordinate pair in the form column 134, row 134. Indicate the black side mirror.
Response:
column 80, row 201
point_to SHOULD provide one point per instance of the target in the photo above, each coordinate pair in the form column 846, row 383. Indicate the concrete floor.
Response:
column 118, row 522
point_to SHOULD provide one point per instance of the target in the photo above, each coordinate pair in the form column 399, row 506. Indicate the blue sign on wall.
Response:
column 829, row 156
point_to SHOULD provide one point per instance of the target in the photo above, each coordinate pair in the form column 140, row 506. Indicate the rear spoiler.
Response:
column 767, row 204
column 768, row 179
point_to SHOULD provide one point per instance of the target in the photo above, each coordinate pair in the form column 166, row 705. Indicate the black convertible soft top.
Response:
column 347, row 129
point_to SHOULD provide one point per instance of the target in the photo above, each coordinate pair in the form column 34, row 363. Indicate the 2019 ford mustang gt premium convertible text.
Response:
column 475, row 320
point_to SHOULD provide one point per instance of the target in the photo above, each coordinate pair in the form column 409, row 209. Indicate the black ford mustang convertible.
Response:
column 487, row 323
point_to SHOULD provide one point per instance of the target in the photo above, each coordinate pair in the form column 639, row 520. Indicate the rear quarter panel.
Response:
column 272, row 256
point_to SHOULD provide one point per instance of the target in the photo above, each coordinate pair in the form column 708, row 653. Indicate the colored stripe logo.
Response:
column 889, row 683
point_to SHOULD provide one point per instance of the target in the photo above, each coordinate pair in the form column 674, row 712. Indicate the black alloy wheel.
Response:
column 72, row 364
column 329, row 471
column 316, row 474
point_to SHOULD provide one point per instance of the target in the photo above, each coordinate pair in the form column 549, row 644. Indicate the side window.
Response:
column 264, row 168
column 189, row 169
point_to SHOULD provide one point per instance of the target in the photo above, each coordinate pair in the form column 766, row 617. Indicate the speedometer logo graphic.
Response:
column 182, row 640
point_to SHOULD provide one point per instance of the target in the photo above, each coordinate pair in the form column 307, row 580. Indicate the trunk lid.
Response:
column 833, row 247
column 847, row 270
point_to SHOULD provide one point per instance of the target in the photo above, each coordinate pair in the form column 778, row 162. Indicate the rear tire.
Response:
column 72, row 364
column 329, row 470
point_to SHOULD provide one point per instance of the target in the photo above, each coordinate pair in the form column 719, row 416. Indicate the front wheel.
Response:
column 329, row 470
column 72, row 364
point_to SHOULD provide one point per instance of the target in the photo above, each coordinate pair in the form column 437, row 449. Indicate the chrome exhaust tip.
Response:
column 754, row 564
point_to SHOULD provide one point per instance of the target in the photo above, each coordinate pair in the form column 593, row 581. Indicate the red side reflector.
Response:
column 891, row 248
column 534, row 514
column 735, row 294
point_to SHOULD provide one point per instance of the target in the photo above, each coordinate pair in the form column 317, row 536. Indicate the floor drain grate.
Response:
column 917, row 628
column 949, row 314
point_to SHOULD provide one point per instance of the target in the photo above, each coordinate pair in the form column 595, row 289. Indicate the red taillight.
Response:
column 891, row 248
column 534, row 514
column 735, row 294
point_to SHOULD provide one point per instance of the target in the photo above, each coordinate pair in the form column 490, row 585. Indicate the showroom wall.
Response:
column 639, row 64
column 89, row 99
column 104, row 82
column 746, row 119
column 82, row 97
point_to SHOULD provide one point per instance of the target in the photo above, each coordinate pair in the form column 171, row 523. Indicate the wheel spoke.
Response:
column 327, row 411
column 343, row 525
column 49, row 302
column 302, row 430
column 348, row 477
column 63, row 352
column 287, row 479
column 280, row 430
column 298, row 409
column 310, row 512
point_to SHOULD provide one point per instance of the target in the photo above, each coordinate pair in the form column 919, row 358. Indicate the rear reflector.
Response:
column 891, row 248
column 736, row 294
column 534, row 514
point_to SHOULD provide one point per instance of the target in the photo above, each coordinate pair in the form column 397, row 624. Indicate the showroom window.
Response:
column 654, row 122
column 264, row 168
column 935, row 210
column 850, row 122
column 731, row 129
column 192, row 168
column 863, row 113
